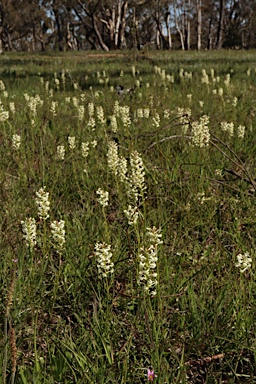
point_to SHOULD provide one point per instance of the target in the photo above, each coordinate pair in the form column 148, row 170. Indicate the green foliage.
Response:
column 74, row 326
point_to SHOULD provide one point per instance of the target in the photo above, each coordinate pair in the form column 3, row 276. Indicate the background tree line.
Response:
column 43, row 25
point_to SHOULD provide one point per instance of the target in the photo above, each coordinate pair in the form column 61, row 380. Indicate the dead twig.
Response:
column 205, row 360
column 168, row 138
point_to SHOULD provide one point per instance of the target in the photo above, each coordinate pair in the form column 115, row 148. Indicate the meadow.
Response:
column 128, row 218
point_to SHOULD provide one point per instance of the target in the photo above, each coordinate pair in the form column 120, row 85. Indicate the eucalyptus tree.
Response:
column 160, row 12
column 241, row 24
column 115, row 24
column 221, row 27
column 9, row 20
column 104, row 20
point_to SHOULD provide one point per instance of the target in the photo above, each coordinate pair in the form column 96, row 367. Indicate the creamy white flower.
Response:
column 205, row 77
column 140, row 113
column 136, row 181
column 241, row 131
column 75, row 101
column 2, row 85
column 104, row 259
column 116, row 108
column 163, row 74
column 146, row 113
column 189, row 97
column 112, row 157
column 113, row 123
column 63, row 78
column 12, row 107
column 4, row 115
column 100, row 115
column 124, row 113
column 122, row 169
column 220, row 91
column 184, row 115
column 218, row 172
column 57, row 83
column 156, row 120
column 16, row 141
column 103, row 197
column 54, row 105
column 132, row 215
column 81, row 111
column 227, row 80
column 72, row 142
column 148, row 257
column 200, row 132
column 60, row 152
column 244, row 262
column 85, row 149
column 166, row 114
column 46, row 86
column 170, row 78
column 227, row 127
column 91, row 109
column 154, row 235
column 91, row 123
column 43, row 203
column 234, row 102
column 83, row 97
column 29, row 232
column 94, row 143
column 58, row 234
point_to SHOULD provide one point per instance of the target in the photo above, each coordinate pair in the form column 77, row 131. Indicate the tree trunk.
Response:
column 33, row 42
column 41, row 40
column 178, row 28
column 1, row 41
column 69, row 37
column 118, row 23
column 210, row 43
column 199, row 24
column 98, row 34
column 134, row 29
column 168, row 30
column 188, row 25
column 251, row 31
column 158, row 44
column 188, row 35
column 220, row 31
column 122, row 41
column 111, row 24
column 59, row 32
column 9, row 40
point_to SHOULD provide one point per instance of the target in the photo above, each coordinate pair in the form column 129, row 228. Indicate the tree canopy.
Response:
column 43, row 25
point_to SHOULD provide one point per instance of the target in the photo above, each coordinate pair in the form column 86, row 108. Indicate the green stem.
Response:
column 106, row 225
column 5, row 347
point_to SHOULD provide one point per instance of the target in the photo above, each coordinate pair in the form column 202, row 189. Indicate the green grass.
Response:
column 61, row 322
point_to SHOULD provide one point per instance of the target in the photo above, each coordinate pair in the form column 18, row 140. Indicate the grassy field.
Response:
column 128, row 218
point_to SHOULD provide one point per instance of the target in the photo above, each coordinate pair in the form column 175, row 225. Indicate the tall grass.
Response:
column 183, row 307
